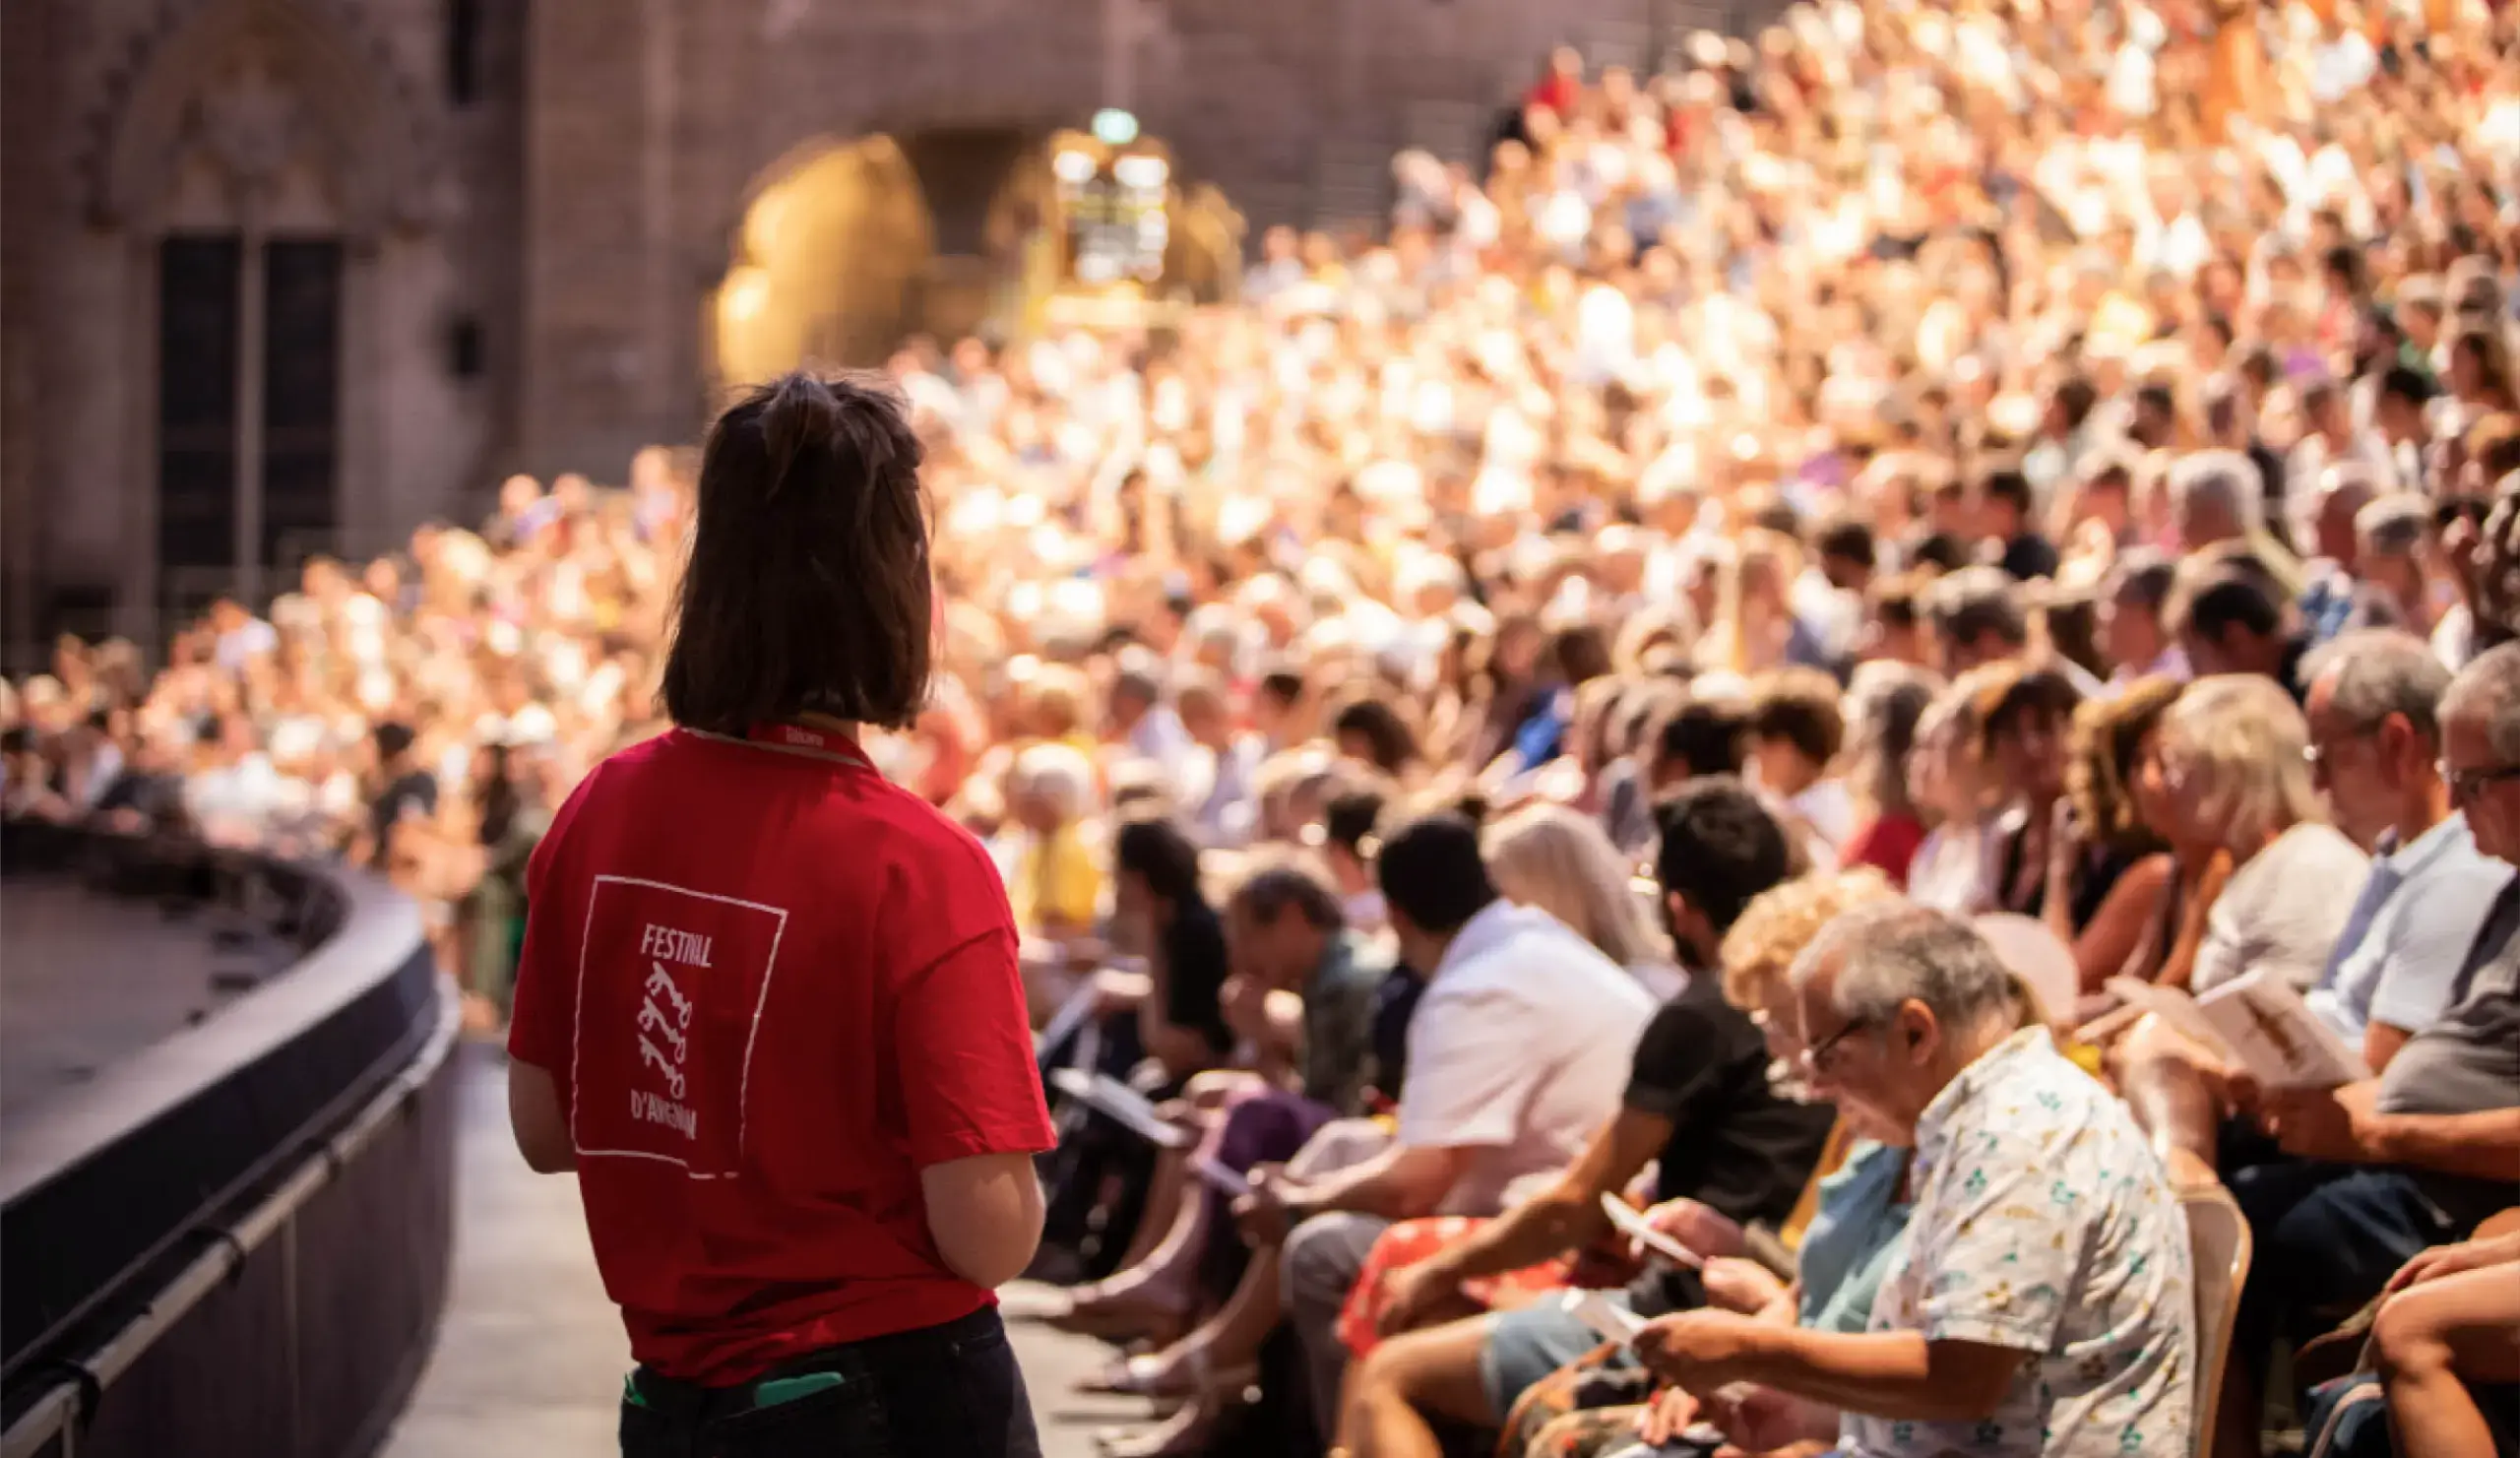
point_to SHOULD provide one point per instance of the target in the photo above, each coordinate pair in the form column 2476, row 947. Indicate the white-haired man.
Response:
column 2215, row 497
column 2044, row 1304
column 2419, row 1155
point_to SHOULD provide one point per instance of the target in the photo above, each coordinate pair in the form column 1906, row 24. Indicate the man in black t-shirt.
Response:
column 1698, row 1099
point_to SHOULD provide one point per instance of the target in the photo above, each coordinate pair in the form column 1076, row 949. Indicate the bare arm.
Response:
column 2102, row 949
column 2484, row 1145
column 538, row 1121
column 2380, row 1043
column 1569, row 1213
column 985, row 1213
column 1402, row 1183
column 1893, row 1375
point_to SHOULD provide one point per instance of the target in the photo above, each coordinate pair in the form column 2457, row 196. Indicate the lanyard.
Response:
column 806, row 739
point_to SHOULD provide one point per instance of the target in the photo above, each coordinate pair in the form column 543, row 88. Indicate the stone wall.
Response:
column 562, row 232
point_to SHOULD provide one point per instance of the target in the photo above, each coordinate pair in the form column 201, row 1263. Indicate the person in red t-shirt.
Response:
column 768, row 1007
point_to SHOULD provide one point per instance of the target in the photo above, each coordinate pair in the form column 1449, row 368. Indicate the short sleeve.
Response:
column 542, row 1018
column 1683, row 1059
column 969, row 1084
column 1999, row 1244
column 2430, row 942
column 1471, row 1073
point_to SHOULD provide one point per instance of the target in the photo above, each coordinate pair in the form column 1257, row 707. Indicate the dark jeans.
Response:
column 2328, row 1237
column 950, row 1391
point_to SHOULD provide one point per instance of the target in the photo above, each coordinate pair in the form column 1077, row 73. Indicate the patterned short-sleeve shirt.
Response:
column 2044, row 1222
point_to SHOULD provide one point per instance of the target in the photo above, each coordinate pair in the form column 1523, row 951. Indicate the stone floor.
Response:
column 529, row 1358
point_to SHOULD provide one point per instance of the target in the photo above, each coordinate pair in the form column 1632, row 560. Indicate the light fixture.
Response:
column 1114, row 127
column 1141, row 170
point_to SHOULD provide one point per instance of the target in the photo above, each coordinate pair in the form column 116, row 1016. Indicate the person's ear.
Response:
column 1913, row 1030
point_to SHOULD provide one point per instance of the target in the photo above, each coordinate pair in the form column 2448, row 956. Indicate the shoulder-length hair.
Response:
column 2107, row 743
column 2239, row 741
column 807, row 589
column 1561, row 860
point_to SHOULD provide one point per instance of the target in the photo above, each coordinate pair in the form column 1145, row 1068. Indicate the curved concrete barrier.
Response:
column 236, row 1239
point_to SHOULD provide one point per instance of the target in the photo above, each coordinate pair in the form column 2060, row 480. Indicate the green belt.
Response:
column 769, row 1394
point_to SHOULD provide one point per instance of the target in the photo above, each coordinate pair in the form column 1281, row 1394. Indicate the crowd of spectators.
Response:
column 1692, row 669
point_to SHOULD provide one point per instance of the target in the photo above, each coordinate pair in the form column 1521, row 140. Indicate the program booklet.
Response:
column 2257, row 1022
column 1106, row 1095
column 2277, row 1038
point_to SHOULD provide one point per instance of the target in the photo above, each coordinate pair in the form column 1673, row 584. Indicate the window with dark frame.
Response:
column 463, row 51
column 199, row 298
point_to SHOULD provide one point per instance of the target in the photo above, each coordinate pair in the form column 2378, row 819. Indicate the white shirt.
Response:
column 2285, row 909
column 1949, row 872
column 2409, row 932
column 1518, row 1051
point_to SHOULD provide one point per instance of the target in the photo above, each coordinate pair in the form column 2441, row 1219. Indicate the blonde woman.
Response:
column 1560, row 860
column 2232, row 777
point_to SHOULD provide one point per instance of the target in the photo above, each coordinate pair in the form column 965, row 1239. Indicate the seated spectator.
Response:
column 1314, row 1062
column 2421, row 1153
column 2023, row 713
column 1698, row 1103
column 2004, row 517
column 2235, row 786
column 1894, row 625
column 2135, row 638
column 1978, row 619
column 1510, row 1069
column 2447, row 1341
column 2392, row 538
column 1055, row 886
column 1159, row 904
column 2101, row 844
column 1702, row 736
column 2228, row 620
column 1558, row 861
column 1145, row 726
column 1953, row 869
column 2042, row 1302
column 1794, row 731
column 1351, row 824
column 2377, row 742
column 2337, row 599
column 1886, row 707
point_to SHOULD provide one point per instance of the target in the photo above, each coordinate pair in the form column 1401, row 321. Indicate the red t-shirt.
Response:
column 1889, row 844
column 772, row 987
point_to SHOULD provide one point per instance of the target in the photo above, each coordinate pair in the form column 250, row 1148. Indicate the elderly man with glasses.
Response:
column 2421, row 1154
column 2044, row 1304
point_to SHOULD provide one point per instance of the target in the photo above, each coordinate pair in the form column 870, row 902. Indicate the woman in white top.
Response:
column 1946, row 780
column 1561, row 862
column 2230, row 770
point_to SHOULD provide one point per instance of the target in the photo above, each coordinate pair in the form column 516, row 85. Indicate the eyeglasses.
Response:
column 1817, row 1058
column 2468, row 785
column 2318, row 755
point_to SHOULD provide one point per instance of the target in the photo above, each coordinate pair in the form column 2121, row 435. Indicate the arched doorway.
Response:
column 824, row 264
column 850, row 247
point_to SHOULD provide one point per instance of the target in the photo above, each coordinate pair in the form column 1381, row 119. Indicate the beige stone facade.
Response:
column 281, row 276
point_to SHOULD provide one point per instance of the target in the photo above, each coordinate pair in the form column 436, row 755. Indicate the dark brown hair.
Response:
column 1799, row 706
column 807, row 588
column 2107, row 734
